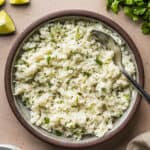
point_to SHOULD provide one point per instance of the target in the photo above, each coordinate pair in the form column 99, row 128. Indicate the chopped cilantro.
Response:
column 46, row 120
column 49, row 84
column 86, row 74
column 146, row 28
column 58, row 133
column 135, row 9
column 98, row 61
column 48, row 59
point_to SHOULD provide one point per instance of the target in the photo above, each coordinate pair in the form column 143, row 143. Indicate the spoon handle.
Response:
column 137, row 86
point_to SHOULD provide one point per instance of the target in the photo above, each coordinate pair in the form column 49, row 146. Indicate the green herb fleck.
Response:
column 127, row 97
column 78, row 34
column 48, row 59
column 57, row 132
column 86, row 74
column 46, row 120
column 98, row 61
column 49, row 84
column 25, row 103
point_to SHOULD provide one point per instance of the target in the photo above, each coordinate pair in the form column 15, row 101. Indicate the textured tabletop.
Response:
column 11, row 131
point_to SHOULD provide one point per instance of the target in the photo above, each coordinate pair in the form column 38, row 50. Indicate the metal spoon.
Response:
column 110, row 43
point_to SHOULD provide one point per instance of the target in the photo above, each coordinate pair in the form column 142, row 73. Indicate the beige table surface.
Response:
column 11, row 130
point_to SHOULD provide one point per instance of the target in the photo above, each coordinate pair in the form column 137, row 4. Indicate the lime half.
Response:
column 2, row 2
column 6, row 23
column 19, row 2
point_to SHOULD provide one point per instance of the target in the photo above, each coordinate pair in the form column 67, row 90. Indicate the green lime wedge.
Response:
column 2, row 2
column 6, row 23
column 19, row 2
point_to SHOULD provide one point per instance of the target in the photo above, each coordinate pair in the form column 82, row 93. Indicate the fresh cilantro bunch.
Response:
column 135, row 9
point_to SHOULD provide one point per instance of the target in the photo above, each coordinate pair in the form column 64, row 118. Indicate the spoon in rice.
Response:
column 110, row 43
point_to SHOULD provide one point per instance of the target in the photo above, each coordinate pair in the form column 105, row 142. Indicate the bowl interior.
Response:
column 24, row 112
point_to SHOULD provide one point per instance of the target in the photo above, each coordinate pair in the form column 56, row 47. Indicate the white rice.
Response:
column 70, row 82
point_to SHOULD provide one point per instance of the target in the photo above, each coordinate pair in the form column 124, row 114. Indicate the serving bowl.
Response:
column 22, row 113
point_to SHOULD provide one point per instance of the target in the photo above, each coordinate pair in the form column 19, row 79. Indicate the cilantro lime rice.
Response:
column 69, row 81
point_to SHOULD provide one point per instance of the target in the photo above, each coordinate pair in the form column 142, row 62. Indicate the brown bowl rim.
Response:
column 44, row 19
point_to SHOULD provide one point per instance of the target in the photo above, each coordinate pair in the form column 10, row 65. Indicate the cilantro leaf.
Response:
column 115, row 6
column 146, row 27
column 134, row 9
